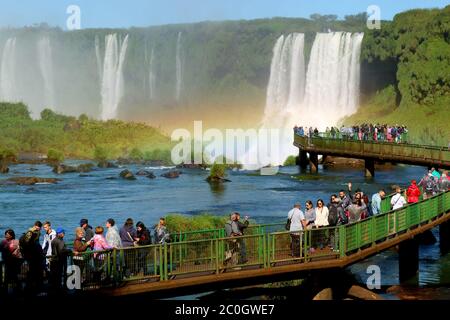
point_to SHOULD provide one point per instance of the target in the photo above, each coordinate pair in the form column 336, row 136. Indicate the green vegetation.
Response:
column 178, row 222
column 419, row 43
column 290, row 161
column 218, row 170
column 62, row 136
column 55, row 155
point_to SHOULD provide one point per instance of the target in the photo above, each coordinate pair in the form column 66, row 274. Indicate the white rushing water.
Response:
column 112, row 79
column 332, row 80
column 98, row 58
column 327, row 92
column 45, row 60
column 179, row 61
column 8, row 71
column 151, row 76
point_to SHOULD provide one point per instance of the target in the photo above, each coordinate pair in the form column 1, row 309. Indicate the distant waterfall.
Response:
column 332, row 80
column 151, row 75
column 46, row 67
column 286, row 82
column 98, row 57
column 8, row 71
column 179, row 60
column 112, row 79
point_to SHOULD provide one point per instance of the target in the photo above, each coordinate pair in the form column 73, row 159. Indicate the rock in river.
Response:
column 127, row 174
column 28, row 181
column 82, row 168
column 171, row 174
column 143, row 173
column 4, row 168
column 106, row 164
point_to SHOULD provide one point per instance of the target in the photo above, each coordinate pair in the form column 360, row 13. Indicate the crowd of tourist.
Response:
column 50, row 257
column 363, row 132
column 345, row 207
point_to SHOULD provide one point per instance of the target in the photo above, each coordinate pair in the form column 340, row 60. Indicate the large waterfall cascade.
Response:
column 8, row 71
column 112, row 87
column 45, row 60
column 179, row 61
column 319, row 97
column 151, row 74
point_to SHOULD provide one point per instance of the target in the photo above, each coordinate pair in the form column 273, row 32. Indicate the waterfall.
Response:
column 179, row 60
column 151, row 76
column 112, row 79
column 332, row 80
column 98, row 58
column 45, row 60
column 8, row 71
column 328, row 91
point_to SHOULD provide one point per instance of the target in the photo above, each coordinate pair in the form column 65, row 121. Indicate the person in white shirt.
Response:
column 397, row 201
column 298, row 222
column 321, row 214
column 49, row 235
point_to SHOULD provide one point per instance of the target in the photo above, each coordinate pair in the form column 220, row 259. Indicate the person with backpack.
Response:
column 428, row 185
column 413, row 192
column 336, row 217
column 235, row 228
column 12, row 257
column 34, row 256
column 398, row 201
column 297, row 223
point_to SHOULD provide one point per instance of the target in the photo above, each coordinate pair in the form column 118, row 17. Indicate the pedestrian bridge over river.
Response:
column 370, row 151
column 196, row 261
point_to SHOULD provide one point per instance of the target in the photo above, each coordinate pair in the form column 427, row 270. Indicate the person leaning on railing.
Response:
column 80, row 246
column 235, row 228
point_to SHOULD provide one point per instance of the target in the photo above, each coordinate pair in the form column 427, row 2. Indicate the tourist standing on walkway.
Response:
column 112, row 236
column 310, row 214
column 58, row 261
column 297, row 223
column 80, row 246
column 49, row 235
column 376, row 202
column 321, row 214
column 99, row 242
column 398, row 201
column 444, row 182
column 161, row 234
column 413, row 192
column 88, row 232
column 33, row 254
column 128, row 233
column 235, row 228
column 346, row 200
column 12, row 257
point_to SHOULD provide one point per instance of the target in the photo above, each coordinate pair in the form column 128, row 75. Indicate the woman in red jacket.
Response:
column 413, row 192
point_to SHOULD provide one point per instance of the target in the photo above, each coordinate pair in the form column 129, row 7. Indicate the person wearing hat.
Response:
column 413, row 192
column 58, row 260
column 235, row 228
column 88, row 232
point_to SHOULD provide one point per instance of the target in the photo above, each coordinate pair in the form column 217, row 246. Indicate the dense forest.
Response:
column 61, row 137
column 412, row 54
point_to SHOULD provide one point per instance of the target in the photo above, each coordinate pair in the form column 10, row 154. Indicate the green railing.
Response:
column 388, row 149
column 265, row 248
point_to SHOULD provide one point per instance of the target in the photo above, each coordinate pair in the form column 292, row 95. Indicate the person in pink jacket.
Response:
column 100, row 241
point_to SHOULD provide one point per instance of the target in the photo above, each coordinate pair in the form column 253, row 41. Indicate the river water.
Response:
column 265, row 199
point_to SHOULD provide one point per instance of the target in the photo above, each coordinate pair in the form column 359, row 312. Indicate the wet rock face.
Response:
column 82, row 168
column 4, row 168
column 106, row 164
column 171, row 174
column 28, row 181
column 127, row 175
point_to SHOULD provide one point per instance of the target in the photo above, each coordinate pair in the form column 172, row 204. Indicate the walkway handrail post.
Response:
column 114, row 266
column 342, row 242
column 216, row 242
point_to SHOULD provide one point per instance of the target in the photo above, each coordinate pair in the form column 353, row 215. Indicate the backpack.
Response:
column 332, row 215
column 24, row 244
column 288, row 224
column 429, row 186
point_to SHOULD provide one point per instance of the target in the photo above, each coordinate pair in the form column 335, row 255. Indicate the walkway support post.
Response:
column 444, row 237
column 369, row 165
column 408, row 259
column 313, row 162
column 303, row 159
